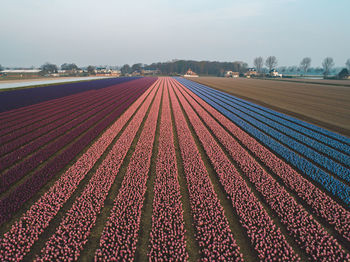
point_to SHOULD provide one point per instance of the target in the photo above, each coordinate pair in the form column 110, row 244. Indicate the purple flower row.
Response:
column 17, row 242
column 39, row 113
column 16, row 198
column 28, row 144
column 10, row 100
column 73, row 232
column 8, row 117
column 39, row 118
column 65, row 135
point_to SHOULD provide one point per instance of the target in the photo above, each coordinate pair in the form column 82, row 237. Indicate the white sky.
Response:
column 116, row 32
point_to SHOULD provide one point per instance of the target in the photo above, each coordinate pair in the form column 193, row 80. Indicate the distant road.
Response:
column 23, row 83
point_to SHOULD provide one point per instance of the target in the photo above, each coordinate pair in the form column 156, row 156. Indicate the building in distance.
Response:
column 190, row 73
column 231, row 74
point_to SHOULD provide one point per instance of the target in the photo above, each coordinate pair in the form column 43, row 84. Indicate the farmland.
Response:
column 344, row 82
column 167, row 168
column 326, row 105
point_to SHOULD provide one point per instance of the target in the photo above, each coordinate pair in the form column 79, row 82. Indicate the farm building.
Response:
column 344, row 74
column 190, row 73
column 104, row 71
column 20, row 73
column 251, row 73
column 274, row 73
column 231, row 74
column 149, row 72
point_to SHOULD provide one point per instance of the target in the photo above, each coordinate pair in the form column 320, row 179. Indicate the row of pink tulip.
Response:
column 309, row 234
column 265, row 237
column 74, row 230
column 33, row 142
column 321, row 204
column 120, row 235
column 56, row 113
column 16, row 104
column 66, row 135
column 10, row 119
column 167, row 237
column 18, row 196
column 214, row 236
column 39, row 118
column 26, row 231
column 41, row 111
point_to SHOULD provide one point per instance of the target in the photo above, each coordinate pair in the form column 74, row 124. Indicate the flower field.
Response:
column 166, row 169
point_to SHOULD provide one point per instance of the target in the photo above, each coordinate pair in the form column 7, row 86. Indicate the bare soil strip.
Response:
column 315, row 81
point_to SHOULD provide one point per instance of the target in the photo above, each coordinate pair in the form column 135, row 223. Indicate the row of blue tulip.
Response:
column 288, row 137
column 323, row 143
column 249, row 124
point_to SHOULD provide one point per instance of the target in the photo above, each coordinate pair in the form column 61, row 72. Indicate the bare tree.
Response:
column 136, row 67
column 69, row 67
column 239, row 66
column 126, row 69
column 347, row 63
column 327, row 64
column 91, row 70
column 258, row 63
column 305, row 64
column 48, row 68
column 271, row 62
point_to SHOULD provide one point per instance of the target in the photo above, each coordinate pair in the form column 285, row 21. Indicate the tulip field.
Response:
column 166, row 169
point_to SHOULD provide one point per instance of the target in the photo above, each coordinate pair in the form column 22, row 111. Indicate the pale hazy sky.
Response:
column 115, row 32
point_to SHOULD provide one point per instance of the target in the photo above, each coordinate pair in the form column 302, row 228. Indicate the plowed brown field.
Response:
column 327, row 106
column 317, row 81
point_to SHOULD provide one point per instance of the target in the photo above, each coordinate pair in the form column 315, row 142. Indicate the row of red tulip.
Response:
column 18, row 195
column 10, row 122
column 265, row 237
column 17, row 242
column 37, row 119
column 120, row 235
column 56, row 113
column 53, row 96
column 167, row 237
column 320, row 203
column 74, row 230
column 33, row 142
column 309, row 234
column 75, row 129
column 16, row 103
column 214, row 236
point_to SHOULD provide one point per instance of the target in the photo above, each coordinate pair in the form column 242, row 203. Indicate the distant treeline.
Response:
column 213, row 68
column 200, row 67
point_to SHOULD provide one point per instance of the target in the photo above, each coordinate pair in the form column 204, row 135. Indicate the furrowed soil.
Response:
column 345, row 82
column 325, row 105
